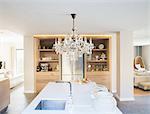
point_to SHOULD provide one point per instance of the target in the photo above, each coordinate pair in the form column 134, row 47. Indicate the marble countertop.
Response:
column 83, row 100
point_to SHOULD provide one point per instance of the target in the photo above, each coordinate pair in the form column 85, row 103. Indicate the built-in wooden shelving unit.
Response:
column 47, row 62
column 97, row 67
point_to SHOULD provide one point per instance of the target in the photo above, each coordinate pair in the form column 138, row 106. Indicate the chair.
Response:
column 139, row 63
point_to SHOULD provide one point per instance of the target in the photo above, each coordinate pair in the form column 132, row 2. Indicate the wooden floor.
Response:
column 140, row 92
column 141, row 105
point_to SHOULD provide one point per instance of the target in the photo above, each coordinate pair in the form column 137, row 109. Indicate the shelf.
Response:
column 46, row 50
column 98, row 73
column 99, row 49
column 47, row 72
column 44, row 61
column 97, row 61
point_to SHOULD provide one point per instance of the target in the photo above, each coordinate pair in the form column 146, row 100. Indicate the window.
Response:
column 19, row 62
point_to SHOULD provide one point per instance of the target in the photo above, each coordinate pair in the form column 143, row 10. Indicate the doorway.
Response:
column 12, row 57
column 141, row 71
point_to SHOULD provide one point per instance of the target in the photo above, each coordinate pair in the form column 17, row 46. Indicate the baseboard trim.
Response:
column 124, row 99
column 29, row 91
column 127, row 99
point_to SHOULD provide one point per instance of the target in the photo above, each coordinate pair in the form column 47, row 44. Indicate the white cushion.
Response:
column 139, row 68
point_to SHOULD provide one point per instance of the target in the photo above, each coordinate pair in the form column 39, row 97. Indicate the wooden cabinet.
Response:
column 42, row 78
column 100, row 77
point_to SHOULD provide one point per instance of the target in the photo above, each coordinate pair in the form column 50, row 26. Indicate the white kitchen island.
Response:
column 86, row 99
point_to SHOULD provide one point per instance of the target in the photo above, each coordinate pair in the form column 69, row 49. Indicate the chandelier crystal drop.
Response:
column 74, row 46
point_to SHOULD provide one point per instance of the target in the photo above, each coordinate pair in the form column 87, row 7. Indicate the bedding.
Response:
column 144, row 85
column 141, row 76
column 142, row 73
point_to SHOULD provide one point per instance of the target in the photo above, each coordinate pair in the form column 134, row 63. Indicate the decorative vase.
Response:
column 101, row 46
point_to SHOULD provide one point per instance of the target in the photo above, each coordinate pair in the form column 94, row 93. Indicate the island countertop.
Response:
column 83, row 103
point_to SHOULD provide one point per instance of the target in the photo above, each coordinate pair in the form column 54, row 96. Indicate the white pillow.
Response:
column 138, row 66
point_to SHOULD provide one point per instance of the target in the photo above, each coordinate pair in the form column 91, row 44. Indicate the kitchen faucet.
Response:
column 70, row 85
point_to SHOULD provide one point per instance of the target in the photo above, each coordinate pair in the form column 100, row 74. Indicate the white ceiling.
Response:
column 93, row 16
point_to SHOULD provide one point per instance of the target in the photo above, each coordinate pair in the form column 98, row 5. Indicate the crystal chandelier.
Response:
column 73, row 46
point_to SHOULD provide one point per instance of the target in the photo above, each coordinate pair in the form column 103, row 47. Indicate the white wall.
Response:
column 114, row 62
column 125, row 66
column 142, row 36
column 29, row 65
column 146, row 55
